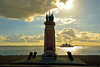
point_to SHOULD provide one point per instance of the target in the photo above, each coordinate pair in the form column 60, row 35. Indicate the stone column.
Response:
column 49, row 40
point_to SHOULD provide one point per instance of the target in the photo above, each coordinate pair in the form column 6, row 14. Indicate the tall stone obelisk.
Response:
column 49, row 37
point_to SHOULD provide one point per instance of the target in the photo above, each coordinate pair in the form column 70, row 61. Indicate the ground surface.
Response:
column 90, row 60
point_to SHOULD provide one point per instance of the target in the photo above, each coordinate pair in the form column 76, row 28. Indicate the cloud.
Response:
column 72, row 35
column 15, row 38
column 64, row 1
column 65, row 4
column 21, row 38
column 2, row 38
column 64, row 35
column 68, row 20
column 29, row 19
column 87, row 37
column 64, row 21
column 68, row 31
column 22, row 9
column 26, row 9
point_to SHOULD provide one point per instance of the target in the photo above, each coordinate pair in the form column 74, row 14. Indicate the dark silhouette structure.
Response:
column 70, row 56
column 50, row 17
column 34, row 55
column 49, row 37
column 30, row 56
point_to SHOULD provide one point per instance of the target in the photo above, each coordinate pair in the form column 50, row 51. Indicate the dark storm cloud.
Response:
column 20, row 9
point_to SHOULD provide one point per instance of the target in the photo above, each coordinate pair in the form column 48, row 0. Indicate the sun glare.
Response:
column 72, row 49
column 68, row 5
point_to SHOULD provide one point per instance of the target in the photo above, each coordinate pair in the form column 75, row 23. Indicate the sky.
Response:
column 22, row 22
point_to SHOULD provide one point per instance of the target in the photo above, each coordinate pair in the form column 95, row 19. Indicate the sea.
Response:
column 25, row 50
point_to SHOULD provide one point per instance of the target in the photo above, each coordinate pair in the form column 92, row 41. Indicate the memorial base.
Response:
column 61, row 60
column 49, row 56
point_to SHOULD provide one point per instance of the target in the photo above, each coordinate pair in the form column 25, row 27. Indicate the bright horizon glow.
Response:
column 68, row 5
column 72, row 48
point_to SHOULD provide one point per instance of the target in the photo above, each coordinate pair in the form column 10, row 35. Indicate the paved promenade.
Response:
column 61, row 60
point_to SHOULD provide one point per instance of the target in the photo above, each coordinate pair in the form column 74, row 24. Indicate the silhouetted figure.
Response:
column 30, row 56
column 34, row 55
column 70, row 56
column 47, row 17
column 52, row 17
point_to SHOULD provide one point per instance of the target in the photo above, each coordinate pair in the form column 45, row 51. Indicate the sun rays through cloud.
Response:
column 67, row 5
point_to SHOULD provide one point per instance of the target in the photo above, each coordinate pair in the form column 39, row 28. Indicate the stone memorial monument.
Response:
column 49, row 38
column 50, row 57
